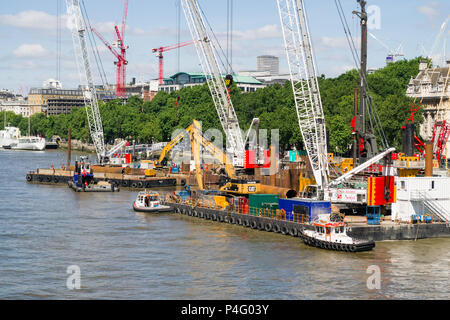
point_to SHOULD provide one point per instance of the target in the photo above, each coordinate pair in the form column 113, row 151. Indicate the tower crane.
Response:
column 213, row 73
column 121, row 63
column 392, row 54
column 159, row 53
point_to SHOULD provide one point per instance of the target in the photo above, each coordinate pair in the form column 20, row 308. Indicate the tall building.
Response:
column 268, row 63
column 431, row 86
column 55, row 101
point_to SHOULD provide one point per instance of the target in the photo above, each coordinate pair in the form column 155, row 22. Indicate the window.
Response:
column 403, row 185
column 432, row 184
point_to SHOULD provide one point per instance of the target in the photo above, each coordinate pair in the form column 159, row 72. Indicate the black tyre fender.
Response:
column 55, row 179
column 124, row 183
column 207, row 216
column 140, row 184
column 184, row 211
column 253, row 224
column 284, row 230
column 194, row 213
column 174, row 182
column 48, row 179
column 268, row 227
column 293, row 232
column 29, row 177
column 40, row 178
column 352, row 248
column 214, row 217
column 201, row 215
column 276, row 228
column 246, row 223
column 134, row 185
column 260, row 226
column 178, row 210
column 232, row 220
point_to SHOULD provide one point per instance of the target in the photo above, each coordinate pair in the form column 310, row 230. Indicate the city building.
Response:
column 430, row 86
column 189, row 79
column 54, row 101
column 17, row 106
column 268, row 63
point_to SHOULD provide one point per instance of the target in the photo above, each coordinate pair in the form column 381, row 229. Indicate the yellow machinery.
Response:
column 149, row 167
column 241, row 187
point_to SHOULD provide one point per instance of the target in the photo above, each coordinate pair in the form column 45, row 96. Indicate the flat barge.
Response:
column 60, row 176
column 279, row 224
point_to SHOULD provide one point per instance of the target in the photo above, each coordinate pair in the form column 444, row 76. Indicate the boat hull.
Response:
column 356, row 247
column 158, row 209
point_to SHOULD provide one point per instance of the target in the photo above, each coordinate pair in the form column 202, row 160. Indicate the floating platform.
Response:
column 294, row 229
column 59, row 176
column 100, row 187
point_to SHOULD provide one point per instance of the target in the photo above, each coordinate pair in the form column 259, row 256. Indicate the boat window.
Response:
column 432, row 184
column 337, row 230
column 328, row 230
column 342, row 229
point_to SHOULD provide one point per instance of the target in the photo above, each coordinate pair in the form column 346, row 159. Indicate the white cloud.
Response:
column 30, row 51
column 270, row 31
column 430, row 10
column 32, row 19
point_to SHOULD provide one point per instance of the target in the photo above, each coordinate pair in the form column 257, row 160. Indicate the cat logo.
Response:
column 228, row 80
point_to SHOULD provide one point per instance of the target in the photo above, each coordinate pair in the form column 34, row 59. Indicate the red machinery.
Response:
column 121, row 63
column 420, row 146
column 441, row 132
column 160, row 56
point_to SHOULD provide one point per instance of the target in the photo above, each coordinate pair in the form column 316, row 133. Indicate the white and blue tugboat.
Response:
column 150, row 202
column 332, row 235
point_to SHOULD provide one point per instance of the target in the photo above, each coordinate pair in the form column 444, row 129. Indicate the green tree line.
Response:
column 155, row 121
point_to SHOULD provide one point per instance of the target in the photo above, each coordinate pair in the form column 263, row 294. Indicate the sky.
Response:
column 28, row 31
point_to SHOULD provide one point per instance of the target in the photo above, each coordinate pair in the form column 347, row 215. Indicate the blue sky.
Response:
column 28, row 34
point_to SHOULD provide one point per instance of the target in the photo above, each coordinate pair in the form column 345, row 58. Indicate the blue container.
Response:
column 295, row 208
column 373, row 215
column 184, row 195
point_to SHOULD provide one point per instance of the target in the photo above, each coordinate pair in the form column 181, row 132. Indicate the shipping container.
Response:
column 303, row 210
column 256, row 201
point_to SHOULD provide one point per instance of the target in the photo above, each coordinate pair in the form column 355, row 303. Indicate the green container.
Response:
column 256, row 201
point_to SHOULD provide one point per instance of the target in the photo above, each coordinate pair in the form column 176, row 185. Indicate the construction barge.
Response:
column 292, row 225
column 120, row 180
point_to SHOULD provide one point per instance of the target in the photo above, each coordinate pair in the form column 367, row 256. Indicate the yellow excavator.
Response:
column 234, row 184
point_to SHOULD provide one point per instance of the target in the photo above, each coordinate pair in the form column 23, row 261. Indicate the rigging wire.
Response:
column 372, row 109
column 220, row 52
column 93, row 43
column 58, row 39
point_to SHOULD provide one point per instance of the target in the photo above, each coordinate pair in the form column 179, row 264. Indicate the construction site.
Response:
column 378, row 194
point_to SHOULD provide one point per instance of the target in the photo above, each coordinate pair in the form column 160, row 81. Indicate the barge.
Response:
column 295, row 227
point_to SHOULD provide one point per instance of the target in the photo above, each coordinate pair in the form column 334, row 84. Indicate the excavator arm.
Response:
column 172, row 144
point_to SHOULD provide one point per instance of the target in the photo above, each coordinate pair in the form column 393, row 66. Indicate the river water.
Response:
column 124, row 255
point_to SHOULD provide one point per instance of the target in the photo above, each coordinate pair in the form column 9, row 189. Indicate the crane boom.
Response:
column 78, row 29
column 216, row 83
column 302, row 71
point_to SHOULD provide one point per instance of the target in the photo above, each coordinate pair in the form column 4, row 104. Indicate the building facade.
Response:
column 268, row 63
column 17, row 106
column 54, row 101
column 431, row 87
column 190, row 79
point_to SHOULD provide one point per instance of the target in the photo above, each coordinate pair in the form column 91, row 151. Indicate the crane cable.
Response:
column 372, row 110
column 93, row 43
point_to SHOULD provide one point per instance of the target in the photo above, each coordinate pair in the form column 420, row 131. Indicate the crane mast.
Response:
column 78, row 29
column 302, row 71
column 216, row 83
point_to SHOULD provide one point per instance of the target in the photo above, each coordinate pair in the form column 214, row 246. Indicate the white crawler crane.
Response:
column 78, row 27
column 213, row 73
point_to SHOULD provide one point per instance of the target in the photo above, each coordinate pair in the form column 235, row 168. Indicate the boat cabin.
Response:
column 147, row 199
column 331, row 231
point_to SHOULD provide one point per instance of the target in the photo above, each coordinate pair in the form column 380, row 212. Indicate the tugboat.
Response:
column 83, row 180
column 332, row 235
column 149, row 201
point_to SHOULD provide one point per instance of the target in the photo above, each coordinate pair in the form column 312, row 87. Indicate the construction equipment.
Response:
column 441, row 132
column 212, row 71
column 159, row 53
column 78, row 28
column 121, row 63
column 392, row 54
column 308, row 104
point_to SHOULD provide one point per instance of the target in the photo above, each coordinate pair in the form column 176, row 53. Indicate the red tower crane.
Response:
column 121, row 63
column 159, row 53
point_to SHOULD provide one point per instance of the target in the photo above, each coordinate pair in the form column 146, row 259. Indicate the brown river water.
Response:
column 124, row 255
